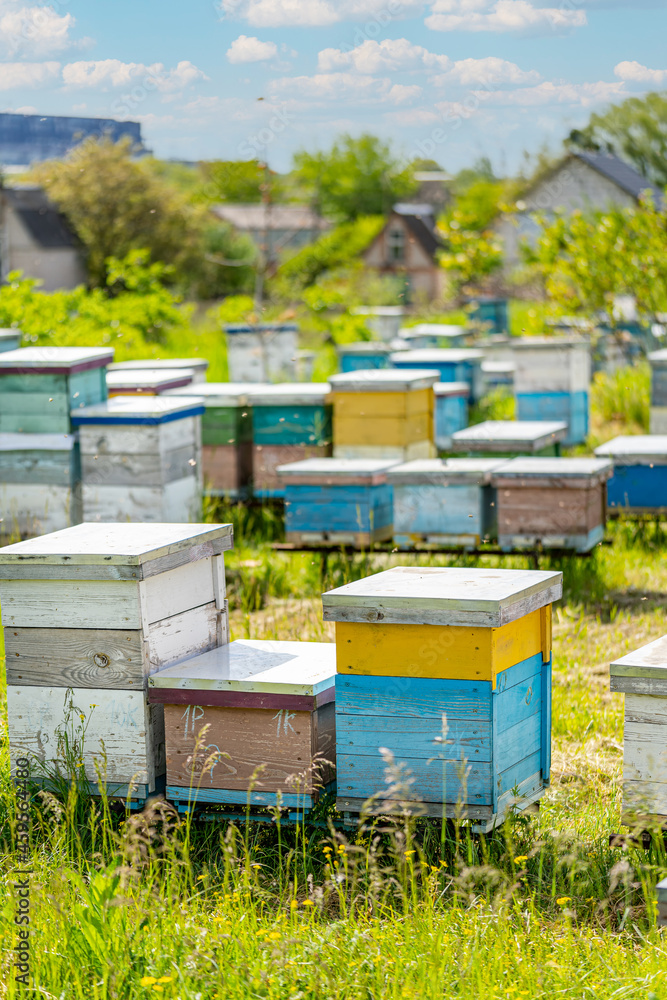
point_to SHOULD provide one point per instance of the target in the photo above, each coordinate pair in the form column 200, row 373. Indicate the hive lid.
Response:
column 288, row 394
column 139, row 409
column 107, row 546
column 364, row 347
column 498, row 367
column 443, row 596
column 198, row 364
column 385, row 380
column 547, row 343
column 54, row 360
column 337, row 470
column 434, row 330
column 565, row 468
column 635, row 449
column 436, row 356
column 259, row 666
column 452, row 389
column 36, row 442
column 9, row 333
column 649, row 661
column 445, row 472
column 149, row 378
column 505, row 435
column 215, row 393
column 658, row 355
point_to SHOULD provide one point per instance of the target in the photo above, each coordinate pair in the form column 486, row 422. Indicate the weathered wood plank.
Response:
column 108, row 604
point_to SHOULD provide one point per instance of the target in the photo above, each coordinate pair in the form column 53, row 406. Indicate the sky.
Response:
column 449, row 80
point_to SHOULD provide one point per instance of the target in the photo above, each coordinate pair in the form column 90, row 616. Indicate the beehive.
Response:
column 39, row 483
column 451, row 411
column 147, row 381
column 262, row 352
column 269, row 709
column 10, row 340
column 290, row 422
column 40, row 386
column 383, row 321
column 360, row 357
column 511, row 437
column 639, row 482
column 425, row 335
column 642, row 677
column 498, row 375
column 454, row 365
column 226, row 436
column 198, row 366
column 384, row 414
column 658, row 362
column 337, row 501
column 552, row 381
column 552, row 502
column 141, row 459
column 89, row 613
column 449, row 670
column 438, row 502
column 490, row 312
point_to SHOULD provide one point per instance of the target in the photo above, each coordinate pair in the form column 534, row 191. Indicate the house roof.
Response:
column 47, row 226
column 249, row 217
column 620, row 173
column 422, row 233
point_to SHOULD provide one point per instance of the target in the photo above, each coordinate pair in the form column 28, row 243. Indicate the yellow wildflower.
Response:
column 165, row 979
column 274, row 936
column 294, row 903
column 520, row 860
column 147, row 981
column 159, row 989
column 563, row 900
column 408, row 853
column 308, row 902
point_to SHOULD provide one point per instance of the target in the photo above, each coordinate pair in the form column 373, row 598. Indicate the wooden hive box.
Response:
column 639, row 482
column 426, row 335
column 262, row 352
column 552, row 382
column 658, row 362
column 89, row 613
column 141, row 459
column 40, row 386
column 385, row 414
column 450, row 671
column 451, row 411
column 642, row 677
column 198, row 366
column 490, row 312
column 291, row 422
column 438, row 502
column 39, row 483
column 147, row 381
column 383, row 321
column 361, row 357
column 337, row 501
column 498, row 375
column 226, row 437
column 511, row 437
column 552, row 502
column 10, row 339
column 269, row 709
column 455, row 364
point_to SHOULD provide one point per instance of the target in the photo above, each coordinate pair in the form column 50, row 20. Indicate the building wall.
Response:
column 26, row 139
column 57, row 267
column 424, row 276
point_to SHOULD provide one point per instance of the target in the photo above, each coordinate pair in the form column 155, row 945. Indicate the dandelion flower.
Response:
column 308, row 902
column 147, row 981
column 275, row 936
column 520, row 860
column 159, row 989
column 165, row 979
column 255, row 864
column 294, row 903
column 408, row 853
column 563, row 900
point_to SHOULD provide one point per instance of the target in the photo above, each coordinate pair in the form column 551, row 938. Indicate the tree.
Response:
column 115, row 206
column 355, row 177
column 635, row 130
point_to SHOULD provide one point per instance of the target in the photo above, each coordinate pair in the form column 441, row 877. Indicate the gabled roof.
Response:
column 249, row 217
column 621, row 174
column 47, row 226
column 418, row 228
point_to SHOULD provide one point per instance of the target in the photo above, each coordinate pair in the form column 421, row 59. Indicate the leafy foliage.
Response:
column 240, row 181
column 472, row 250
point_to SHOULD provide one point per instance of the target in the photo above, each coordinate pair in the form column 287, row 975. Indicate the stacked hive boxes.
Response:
column 658, row 362
column 551, row 382
column 553, row 502
column 147, row 381
column 454, row 365
column 290, row 422
column 89, row 613
column 439, row 502
column 451, row 411
column 141, row 459
column 262, row 352
column 450, row 671
column 226, row 437
column 642, row 677
column 511, row 437
column 384, row 414
column 337, row 501
column 360, row 357
column 39, row 387
column 252, row 723
column 639, row 482
column 197, row 366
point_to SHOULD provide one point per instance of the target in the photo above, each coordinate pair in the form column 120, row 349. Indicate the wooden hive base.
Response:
column 354, row 539
column 577, row 543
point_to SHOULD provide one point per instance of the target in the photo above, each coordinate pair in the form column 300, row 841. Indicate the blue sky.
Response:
column 450, row 79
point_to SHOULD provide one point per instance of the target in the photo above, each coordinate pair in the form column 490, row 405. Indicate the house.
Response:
column 585, row 181
column 274, row 228
column 407, row 247
column 36, row 239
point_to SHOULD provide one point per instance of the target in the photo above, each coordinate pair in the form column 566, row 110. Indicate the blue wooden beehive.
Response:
column 639, row 482
column 552, row 382
column 337, row 501
column 449, row 671
column 444, row 502
column 491, row 312
column 454, row 364
column 360, row 357
column 451, row 411
column 39, row 483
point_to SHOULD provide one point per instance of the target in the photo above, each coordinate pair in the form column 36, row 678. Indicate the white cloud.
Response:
column 488, row 71
column 36, row 30
column 516, row 16
column 25, row 74
column 344, row 87
column 547, row 93
column 245, row 49
column 387, row 56
column 317, row 13
column 634, row 72
column 109, row 73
